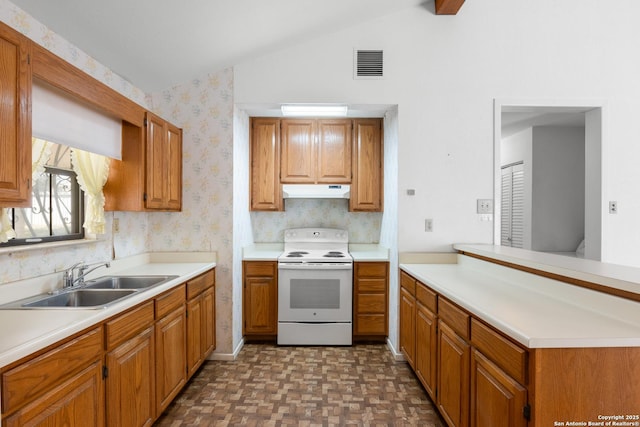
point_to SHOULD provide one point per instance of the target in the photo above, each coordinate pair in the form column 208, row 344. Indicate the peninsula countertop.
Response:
column 27, row 331
column 535, row 311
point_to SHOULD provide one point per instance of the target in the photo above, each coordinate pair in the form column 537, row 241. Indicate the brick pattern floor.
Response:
column 304, row 386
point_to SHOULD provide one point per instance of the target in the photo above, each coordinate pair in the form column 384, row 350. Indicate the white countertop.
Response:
column 27, row 331
column 535, row 311
column 271, row 252
column 610, row 275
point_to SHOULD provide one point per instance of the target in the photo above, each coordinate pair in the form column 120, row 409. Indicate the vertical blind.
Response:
column 512, row 206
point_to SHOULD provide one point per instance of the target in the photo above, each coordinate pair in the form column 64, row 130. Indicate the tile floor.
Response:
column 304, row 386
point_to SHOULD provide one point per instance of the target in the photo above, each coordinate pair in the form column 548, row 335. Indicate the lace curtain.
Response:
column 92, row 172
column 40, row 152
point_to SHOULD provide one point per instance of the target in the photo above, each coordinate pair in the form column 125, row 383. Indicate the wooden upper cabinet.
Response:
column 298, row 148
column 149, row 176
column 266, row 192
column 334, row 151
column 316, row 151
column 15, row 119
column 367, row 183
column 164, row 165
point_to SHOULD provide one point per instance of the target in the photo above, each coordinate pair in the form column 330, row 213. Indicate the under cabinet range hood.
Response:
column 316, row 191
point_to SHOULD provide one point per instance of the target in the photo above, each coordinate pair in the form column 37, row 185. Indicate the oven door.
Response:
column 315, row 293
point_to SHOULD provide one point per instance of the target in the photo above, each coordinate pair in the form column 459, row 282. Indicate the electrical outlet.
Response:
column 613, row 207
column 485, row 206
column 428, row 225
column 116, row 225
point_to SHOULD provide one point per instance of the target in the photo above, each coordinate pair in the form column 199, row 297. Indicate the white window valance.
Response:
column 59, row 118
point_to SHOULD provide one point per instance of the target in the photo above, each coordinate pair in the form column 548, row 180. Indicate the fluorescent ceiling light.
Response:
column 314, row 110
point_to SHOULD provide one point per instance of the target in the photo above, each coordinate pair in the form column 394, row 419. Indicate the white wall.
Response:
column 443, row 72
column 558, row 203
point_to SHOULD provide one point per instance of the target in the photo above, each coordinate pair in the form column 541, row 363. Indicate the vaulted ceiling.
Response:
column 157, row 44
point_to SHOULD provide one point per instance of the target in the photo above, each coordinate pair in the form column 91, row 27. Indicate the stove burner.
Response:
column 334, row 254
column 297, row 254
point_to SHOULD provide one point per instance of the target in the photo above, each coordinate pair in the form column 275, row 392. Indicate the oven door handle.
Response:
column 314, row 266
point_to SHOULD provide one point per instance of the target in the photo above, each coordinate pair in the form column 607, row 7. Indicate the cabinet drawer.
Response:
column 127, row 325
column 408, row 282
column 508, row 356
column 371, row 324
column 372, row 285
column 371, row 269
column 29, row 380
column 426, row 297
column 267, row 269
column 169, row 301
column 198, row 284
column 453, row 316
column 371, row 303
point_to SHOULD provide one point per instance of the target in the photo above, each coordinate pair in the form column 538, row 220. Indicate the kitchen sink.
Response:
column 127, row 282
column 78, row 298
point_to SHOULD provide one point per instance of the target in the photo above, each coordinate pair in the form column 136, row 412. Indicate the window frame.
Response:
column 77, row 211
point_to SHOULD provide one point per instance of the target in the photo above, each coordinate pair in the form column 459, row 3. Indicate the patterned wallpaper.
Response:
column 203, row 108
column 363, row 227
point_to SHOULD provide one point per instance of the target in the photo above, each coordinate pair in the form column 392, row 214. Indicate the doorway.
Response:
column 557, row 147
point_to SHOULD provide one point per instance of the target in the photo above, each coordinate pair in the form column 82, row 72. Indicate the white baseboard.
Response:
column 397, row 356
column 228, row 356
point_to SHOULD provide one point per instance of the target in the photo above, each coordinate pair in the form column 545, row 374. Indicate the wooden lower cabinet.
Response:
column 453, row 376
column 171, row 342
column 63, row 386
column 130, row 382
column 370, row 300
column 123, row 372
column 260, row 299
column 426, row 348
column 130, row 364
column 497, row 399
column 76, row 402
column 408, row 326
column 200, row 320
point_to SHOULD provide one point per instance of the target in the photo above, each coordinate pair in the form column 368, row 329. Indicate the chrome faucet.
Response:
column 70, row 279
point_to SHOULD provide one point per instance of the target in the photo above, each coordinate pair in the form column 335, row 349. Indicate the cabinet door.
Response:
column 194, row 335
column 156, row 167
column 266, row 191
column 366, row 185
column 260, row 305
column 208, row 321
column 298, row 149
column 334, row 151
column 408, row 326
column 174, row 173
column 170, row 357
column 497, row 400
column 131, row 382
column 453, row 377
column 78, row 402
column 15, row 119
column 426, row 348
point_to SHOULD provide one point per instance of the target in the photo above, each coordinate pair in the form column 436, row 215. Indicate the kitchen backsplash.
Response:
column 363, row 227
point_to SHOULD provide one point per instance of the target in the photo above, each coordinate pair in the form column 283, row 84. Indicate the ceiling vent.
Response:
column 368, row 64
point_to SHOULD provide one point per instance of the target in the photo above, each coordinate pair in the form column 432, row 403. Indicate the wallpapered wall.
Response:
column 203, row 108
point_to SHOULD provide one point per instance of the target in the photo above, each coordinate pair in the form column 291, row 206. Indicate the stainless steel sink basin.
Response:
column 127, row 282
column 78, row 298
